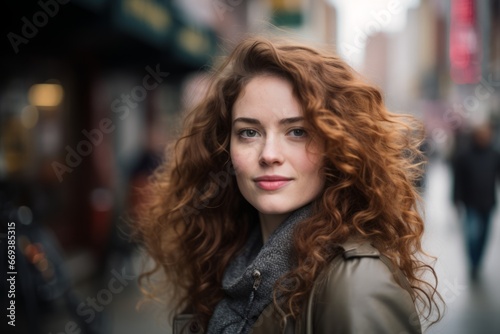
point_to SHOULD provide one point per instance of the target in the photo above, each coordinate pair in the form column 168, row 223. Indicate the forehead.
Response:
column 267, row 97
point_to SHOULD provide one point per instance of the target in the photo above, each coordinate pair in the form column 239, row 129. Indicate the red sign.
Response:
column 465, row 44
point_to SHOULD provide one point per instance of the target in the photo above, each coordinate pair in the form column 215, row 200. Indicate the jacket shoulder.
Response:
column 353, row 249
column 360, row 291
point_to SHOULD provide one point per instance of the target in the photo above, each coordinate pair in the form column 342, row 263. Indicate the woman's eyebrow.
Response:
column 257, row 122
column 291, row 120
column 247, row 120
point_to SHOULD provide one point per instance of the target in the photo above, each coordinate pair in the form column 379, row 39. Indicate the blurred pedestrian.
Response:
column 476, row 170
column 290, row 203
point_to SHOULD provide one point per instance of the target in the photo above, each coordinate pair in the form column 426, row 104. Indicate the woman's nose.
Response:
column 271, row 153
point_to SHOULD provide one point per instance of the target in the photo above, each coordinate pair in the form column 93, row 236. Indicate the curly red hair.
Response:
column 197, row 220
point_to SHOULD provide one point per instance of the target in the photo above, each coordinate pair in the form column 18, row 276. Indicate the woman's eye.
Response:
column 248, row 133
column 298, row 132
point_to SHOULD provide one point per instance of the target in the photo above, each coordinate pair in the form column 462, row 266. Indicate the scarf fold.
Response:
column 250, row 277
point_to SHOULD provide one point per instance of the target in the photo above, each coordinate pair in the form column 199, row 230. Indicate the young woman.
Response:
column 288, row 204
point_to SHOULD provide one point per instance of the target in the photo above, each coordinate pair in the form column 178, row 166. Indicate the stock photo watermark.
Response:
column 452, row 290
column 222, row 179
column 223, row 6
column 30, row 28
column 11, row 273
column 121, row 107
column 455, row 115
column 380, row 19
column 89, row 308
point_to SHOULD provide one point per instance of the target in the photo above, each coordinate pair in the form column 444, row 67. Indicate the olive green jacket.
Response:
column 359, row 292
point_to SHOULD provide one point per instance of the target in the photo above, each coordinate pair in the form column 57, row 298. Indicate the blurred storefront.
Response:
column 443, row 67
column 312, row 20
column 474, row 64
column 89, row 95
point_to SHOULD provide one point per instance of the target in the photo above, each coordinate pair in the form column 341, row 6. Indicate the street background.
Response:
column 92, row 91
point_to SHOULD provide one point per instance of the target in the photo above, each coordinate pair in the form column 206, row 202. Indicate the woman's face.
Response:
column 276, row 170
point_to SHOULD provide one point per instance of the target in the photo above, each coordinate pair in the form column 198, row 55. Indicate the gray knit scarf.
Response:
column 249, row 279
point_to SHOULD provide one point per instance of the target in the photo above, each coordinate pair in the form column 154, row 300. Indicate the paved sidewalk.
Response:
column 472, row 308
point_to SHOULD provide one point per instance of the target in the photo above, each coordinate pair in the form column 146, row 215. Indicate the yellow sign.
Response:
column 149, row 12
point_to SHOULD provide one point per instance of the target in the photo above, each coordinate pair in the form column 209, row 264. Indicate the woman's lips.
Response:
column 271, row 182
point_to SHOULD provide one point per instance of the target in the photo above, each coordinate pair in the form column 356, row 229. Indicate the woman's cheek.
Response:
column 237, row 160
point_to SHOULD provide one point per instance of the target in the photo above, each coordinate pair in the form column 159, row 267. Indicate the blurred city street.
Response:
column 471, row 307
column 93, row 91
